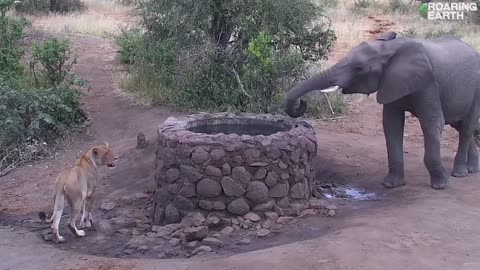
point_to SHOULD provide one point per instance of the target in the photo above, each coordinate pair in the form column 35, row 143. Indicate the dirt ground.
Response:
column 411, row 227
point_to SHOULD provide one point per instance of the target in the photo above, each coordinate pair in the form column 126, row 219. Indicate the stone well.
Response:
column 235, row 163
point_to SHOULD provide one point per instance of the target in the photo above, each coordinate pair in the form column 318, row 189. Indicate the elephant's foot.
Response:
column 393, row 181
column 439, row 183
column 460, row 172
column 473, row 166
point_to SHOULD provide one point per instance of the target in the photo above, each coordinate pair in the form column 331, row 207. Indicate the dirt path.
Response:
column 413, row 227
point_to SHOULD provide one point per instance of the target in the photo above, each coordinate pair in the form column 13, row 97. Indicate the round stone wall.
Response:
column 232, row 162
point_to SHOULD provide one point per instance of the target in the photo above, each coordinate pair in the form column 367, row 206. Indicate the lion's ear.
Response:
column 95, row 151
column 106, row 143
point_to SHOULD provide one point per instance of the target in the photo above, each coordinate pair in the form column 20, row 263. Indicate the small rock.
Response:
column 244, row 241
column 260, row 173
column 263, row 232
column 213, row 171
column 232, row 188
column 217, row 154
column 175, row 242
column 162, row 255
column 210, row 241
column 226, row 169
column 267, row 224
column 213, row 221
column 151, row 235
column 246, row 224
column 178, row 234
column 129, row 251
column 136, row 242
column 143, row 248
column 272, row 179
column 226, row 222
column 141, row 141
column 238, row 207
column 171, row 214
column 196, row 233
column 264, row 207
column 317, row 204
column 104, row 227
column 284, row 220
column 209, row 188
column 282, row 165
column 124, row 231
column 47, row 237
column 242, row 175
column 227, row 231
column 235, row 221
column 332, row 207
column 172, row 174
column 199, row 155
column 308, row 212
column 284, row 202
column 271, row 215
column 198, row 219
column 191, row 244
column 107, row 206
column 332, row 213
column 278, row 210
column 252, row 217
column 202, row 249
column 297, row 191
column 257, row 192
column 284, row 176
column 167, row 230
column 279, row 190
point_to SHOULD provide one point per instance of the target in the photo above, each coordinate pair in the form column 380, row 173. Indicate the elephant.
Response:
column 436, row 80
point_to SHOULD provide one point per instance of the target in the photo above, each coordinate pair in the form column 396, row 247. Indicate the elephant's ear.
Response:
column 408, row 70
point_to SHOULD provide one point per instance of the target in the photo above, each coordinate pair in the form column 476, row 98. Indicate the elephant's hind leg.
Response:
column 472, row 162
column 432, row 131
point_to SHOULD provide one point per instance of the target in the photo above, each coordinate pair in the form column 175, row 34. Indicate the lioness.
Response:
column 78, row 185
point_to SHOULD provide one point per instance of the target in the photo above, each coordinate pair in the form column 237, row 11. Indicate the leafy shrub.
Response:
column 53, row 60
column 45, row 6
column 228, row 55
column 11, row 30
column 37, row 114
column 66, row 6
column 33, row 6
column 129, row 41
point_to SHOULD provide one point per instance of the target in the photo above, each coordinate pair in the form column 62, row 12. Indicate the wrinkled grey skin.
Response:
column 437, row 80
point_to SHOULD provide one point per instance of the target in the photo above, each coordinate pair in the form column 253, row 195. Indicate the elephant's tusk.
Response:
column 331, row 89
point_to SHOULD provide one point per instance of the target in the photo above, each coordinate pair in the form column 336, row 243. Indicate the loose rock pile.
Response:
column 231, row 173
column 206, row 231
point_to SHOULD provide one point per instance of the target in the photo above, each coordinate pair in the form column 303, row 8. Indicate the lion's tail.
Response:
column 58, row 199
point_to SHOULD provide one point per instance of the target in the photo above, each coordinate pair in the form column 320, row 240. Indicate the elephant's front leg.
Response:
column 393, row 127
column 432, row 132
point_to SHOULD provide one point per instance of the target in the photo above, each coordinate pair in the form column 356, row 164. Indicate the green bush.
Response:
column 11, row 30
column 45, row 6
column 34, row 113
column 129, row 41
column 53, row 60
column 67, row 6
column 228, row 55
column 33, row 6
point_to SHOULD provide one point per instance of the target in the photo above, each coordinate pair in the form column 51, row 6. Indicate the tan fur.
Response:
column 78, row 184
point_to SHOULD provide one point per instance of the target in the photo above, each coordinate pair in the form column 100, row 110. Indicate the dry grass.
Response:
column 103, row 17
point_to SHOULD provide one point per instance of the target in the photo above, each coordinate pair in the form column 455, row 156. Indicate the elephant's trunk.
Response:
column 322, row 81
